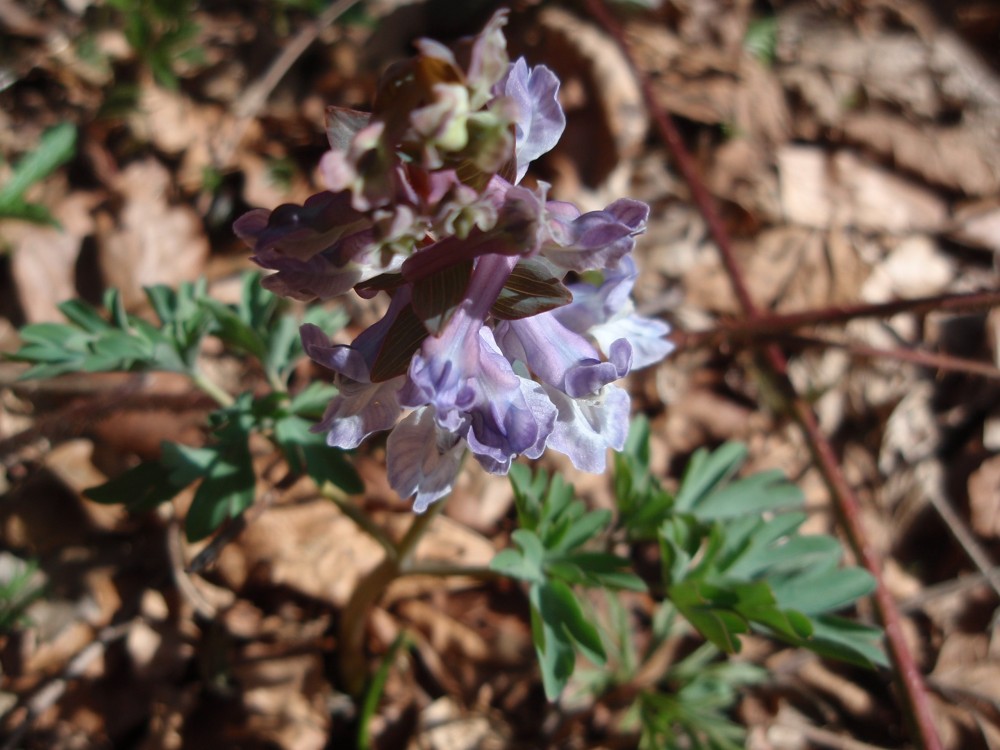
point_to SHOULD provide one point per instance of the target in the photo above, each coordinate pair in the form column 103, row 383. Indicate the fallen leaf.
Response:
column 156, row 242
column 44, row 260
column 984, row 498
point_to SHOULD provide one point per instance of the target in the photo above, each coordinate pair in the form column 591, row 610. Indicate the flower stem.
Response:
column 350, row 644
column 210, row 388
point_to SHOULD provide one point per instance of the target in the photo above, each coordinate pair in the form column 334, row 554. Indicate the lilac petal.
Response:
column 511, row 416
column 606, row 314
column 598, row 239
column 645, row 337
column 359, row 410
column 549, row 349
column 423, row 459
column 540, row 121
column 441, row 372
column 587, row 427
column 360, row 407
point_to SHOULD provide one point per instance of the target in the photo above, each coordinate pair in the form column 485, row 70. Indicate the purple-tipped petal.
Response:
column 607, row 314
column 540, row 121
column 360, row 407
column 422, row 459
column 587, row 427
column 597, row 239
column 511, row 415
column 359, row 410
column 551, row 351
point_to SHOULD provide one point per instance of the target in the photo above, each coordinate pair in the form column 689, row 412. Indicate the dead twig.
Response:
column 917, row 703
column 765, row 324
column 931, row 360
column 256, row 95
column 946, row 588
column 980, row 558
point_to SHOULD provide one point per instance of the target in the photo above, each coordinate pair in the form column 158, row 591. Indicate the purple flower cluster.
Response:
column 486, row 345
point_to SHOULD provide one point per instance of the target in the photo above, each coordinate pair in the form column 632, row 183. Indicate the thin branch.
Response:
column 911, row 681
column 947, row 588
column 256, row 95
column 919, row 357
column 774, row 323
column 980, row 558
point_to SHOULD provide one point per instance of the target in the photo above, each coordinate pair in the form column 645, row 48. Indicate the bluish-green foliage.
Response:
column 57, row 146
column 732, row 563
column 112, row 340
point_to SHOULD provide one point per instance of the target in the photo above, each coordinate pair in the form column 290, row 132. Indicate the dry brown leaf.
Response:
column 984, row 498
column 978, row 224
column 44, row 260
column 156, row 243
column 916, row 267
column 908, row 84
column 279, row 694
column 311, row 548
column 444, row 727
column 446, row 634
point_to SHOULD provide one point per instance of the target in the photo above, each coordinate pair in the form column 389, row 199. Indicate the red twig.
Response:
column 772, row 323
column 919, row 357
column 911, row 681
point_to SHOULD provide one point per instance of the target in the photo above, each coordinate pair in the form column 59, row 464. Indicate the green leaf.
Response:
column 84, row 315
column 558, row 606
column 556, row 658
column 513, row 564
column 532, row 288
column 706, row 471
column 141, row 488
column 307, row 451
column 17, row 209
column 824, row 591
column 226, row 491
column 186, row 463
column 235, row 331
column 595, row 569
column 700, row 604
column 57, row 146
column 313, row 400
column 853, row 642
column 580, row 530
column 756, row 602
column 765, row 491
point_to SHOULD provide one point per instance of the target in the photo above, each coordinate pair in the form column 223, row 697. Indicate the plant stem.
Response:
column 354, row 618
column 210, row 388
column 360, row 518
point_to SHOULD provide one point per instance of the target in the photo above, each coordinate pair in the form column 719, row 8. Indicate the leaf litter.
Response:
column 855, row 157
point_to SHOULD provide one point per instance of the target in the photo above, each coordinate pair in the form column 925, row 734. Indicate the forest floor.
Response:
column 852, row 150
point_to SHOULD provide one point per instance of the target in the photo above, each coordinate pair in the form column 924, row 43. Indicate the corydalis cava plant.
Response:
column 486, row 346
